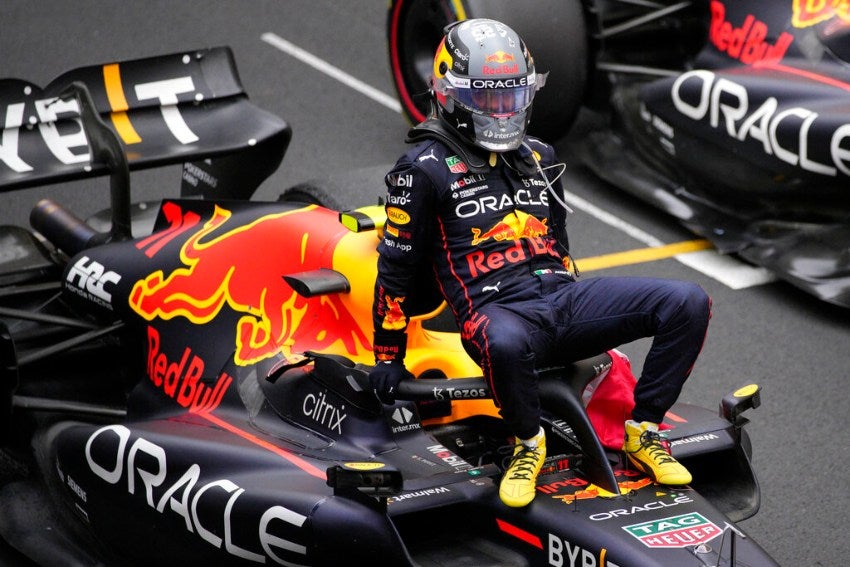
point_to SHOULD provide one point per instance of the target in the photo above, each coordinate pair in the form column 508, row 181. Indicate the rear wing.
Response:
column 187, row 108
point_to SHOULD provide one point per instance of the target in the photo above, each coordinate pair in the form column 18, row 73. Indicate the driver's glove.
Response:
column 385, row 378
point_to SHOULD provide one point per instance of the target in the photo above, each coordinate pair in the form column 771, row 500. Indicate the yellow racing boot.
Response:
column 519, row 484
column 645, row 451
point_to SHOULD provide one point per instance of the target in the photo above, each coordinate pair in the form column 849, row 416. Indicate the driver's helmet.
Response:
column 484, row 82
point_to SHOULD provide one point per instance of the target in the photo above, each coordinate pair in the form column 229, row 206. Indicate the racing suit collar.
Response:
column 521, row 160
column 476, row 159
column 432, row 128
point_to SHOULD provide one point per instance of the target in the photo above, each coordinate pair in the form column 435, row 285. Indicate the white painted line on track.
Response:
column 725, row 269
column 334, row 72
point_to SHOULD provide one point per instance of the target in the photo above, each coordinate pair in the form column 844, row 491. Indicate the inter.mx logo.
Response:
column 676, row 531
column 406, row 419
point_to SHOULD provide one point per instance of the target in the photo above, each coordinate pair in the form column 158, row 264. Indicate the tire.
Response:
column 310, row 194
column 555, row 32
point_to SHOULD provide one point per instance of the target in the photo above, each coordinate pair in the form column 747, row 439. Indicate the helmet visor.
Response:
column 492, row 96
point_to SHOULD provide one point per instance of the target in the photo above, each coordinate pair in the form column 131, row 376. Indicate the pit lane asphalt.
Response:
column 796, row 348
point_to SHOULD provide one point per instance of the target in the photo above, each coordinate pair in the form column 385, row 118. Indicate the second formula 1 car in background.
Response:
column 731, row 116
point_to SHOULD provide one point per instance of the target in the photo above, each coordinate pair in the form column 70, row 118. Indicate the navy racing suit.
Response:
column 488, row 232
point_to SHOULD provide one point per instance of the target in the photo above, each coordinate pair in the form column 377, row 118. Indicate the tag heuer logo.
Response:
column 676, row 531
column 455, row 165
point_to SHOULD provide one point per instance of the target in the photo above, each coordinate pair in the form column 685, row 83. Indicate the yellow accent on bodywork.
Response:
column 747, row 390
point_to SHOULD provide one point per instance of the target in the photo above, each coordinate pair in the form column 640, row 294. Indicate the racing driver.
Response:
column 478, row 205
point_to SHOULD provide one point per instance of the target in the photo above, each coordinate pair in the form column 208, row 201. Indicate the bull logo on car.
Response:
column 810, row 12
column 236, row 269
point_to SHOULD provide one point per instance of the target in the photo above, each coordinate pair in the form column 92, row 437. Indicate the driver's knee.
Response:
column 508, row 347
column 687, row 305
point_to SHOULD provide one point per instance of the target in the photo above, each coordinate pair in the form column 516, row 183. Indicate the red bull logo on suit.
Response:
column 517, row 227
column 513, row 226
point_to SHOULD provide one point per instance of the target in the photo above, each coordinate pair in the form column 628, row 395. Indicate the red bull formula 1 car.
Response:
column 731, row 116
column 187, row 384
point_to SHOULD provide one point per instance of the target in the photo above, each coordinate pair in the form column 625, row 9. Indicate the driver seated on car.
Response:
column 480, row 205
